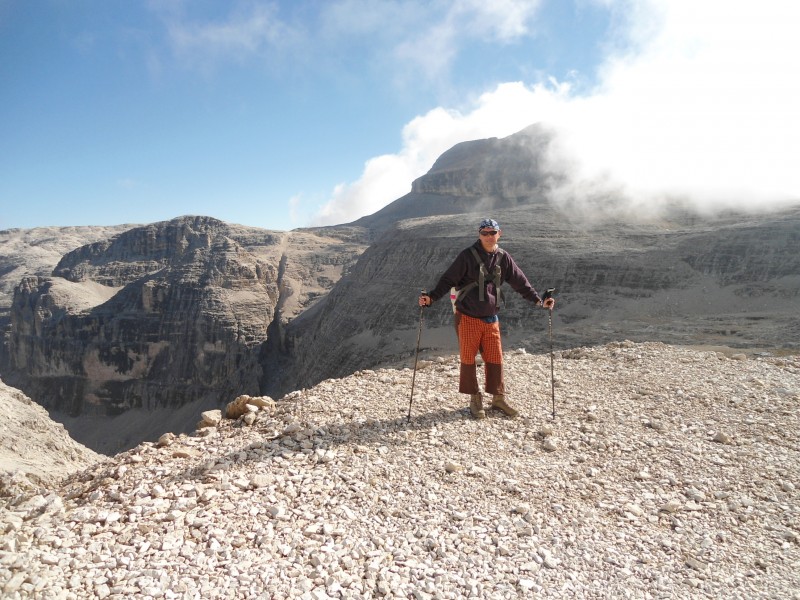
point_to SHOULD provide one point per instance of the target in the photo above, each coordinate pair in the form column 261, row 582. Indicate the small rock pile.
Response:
column 666, row 473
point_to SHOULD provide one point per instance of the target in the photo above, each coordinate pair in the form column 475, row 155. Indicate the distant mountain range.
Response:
column 172, row 317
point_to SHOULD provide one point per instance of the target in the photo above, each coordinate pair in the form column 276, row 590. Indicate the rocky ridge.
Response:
column 666, row 472
column 729, row 281
column 35, row 251
column 164, row 316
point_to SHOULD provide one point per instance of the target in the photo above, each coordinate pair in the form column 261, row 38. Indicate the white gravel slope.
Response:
column 35, row 451
column 667, row 473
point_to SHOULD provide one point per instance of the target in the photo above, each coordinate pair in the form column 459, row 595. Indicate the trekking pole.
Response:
column 416, row 356
column 549, row 294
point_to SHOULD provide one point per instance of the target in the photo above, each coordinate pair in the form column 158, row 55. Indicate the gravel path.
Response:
column 667, row 473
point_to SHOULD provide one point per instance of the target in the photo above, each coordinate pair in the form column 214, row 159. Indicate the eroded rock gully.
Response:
column 666, row 473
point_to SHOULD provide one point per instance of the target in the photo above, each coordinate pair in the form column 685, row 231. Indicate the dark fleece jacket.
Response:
column 465, row 270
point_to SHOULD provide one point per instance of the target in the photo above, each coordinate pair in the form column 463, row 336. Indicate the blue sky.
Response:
column 288, row 114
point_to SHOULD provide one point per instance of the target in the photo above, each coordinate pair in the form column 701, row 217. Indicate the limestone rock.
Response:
column 166, row 440
column 210, row 418
column 453, row 467
column 723, row 438
column 244, row 404
column 35, row 251
column 550, row 444
column 332, row 495
column 707, row 263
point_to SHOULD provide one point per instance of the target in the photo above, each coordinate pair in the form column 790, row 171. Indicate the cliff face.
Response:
column 30, row 252
column 165, row 315
column 734, row 281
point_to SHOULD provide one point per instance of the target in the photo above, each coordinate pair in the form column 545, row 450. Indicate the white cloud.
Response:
column 697, row 100
column 403, row 36
column 502, row 20
column 424, row 38
column 251, row 29
column 434, row 49
column 706, row 110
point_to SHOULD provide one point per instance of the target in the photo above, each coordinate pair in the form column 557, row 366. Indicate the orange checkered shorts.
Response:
column 476, row 335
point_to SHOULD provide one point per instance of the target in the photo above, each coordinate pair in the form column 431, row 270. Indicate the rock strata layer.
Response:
column 165, row 315
column 35, row 251
column 728, row 281
column 666, row 473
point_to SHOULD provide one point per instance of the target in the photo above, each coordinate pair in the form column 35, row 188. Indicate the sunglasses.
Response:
column 488, row 233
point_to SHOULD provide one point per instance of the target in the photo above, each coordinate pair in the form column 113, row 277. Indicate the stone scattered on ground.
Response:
column 666, row 473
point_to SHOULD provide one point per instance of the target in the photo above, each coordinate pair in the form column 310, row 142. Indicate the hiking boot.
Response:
column 476, row 406
column 499, row 402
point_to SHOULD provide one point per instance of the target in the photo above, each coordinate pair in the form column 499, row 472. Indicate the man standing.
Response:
column 477, row 273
